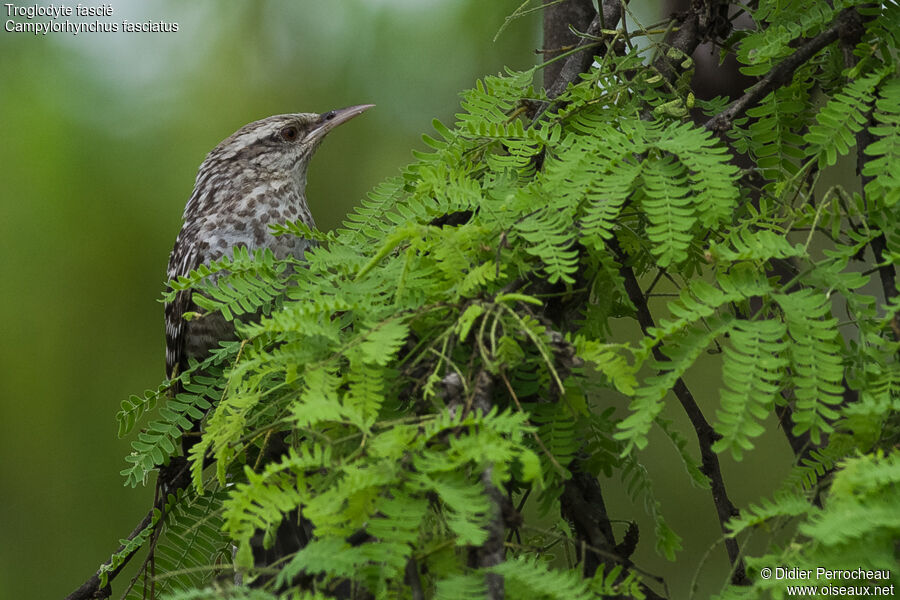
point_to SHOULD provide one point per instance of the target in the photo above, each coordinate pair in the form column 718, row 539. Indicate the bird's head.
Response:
column 280, row 146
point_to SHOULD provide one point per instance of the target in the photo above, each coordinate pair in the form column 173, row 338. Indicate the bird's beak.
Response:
column 333, row 118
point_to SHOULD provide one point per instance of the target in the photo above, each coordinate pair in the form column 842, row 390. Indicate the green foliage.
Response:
column 252, row 283
column 529, row 578
column 842, row 117
column 455, row 337
column 752, row 370
column 789, row 20
column 886, row 147
column 157, row 441
column 857, row 529
column 815, row 360
column 191, row 550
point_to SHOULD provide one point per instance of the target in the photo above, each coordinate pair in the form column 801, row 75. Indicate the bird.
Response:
column 253, row 178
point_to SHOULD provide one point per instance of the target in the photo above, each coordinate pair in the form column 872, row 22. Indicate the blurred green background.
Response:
column 100, row 139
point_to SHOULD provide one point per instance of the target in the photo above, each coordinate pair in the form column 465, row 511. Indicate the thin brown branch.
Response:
column 90, row 589
column 886, row 272
column 845, row 24
column 706, row 435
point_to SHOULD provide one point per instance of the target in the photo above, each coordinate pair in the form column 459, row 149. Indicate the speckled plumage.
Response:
column 255, row 177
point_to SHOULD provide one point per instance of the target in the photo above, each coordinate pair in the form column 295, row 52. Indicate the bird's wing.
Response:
column 184, row 259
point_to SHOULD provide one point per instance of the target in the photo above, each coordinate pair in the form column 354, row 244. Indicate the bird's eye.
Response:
column 289, row 133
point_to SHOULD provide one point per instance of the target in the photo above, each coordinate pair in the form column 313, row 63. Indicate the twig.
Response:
column 90, row 589
column 846, row 22
column 706, row 435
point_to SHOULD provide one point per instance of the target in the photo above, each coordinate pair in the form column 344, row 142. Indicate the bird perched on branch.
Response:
column 255, row 177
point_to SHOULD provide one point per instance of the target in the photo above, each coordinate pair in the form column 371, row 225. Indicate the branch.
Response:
column 846, row 24
column 886, row 272
column 558, row 38
column 90, row 589
column 413, row 580
column 706, row 435
column 492, row 552
column 582, row 504
column 801, row 445
column 706, row 20
column 579, row 61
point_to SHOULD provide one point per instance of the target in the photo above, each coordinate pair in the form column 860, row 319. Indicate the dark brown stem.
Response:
column 492, row 552
column 90, row 589
column 706, row 435
column 582, row 504
column 845, row 23
column 886, row 273
column 413, row 580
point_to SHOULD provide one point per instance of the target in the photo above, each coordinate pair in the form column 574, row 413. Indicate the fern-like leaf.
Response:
column 751, row 371
column 665, row 196
column 840, row 119
column 815, row 360
column 884, row 167
column 535, row 579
